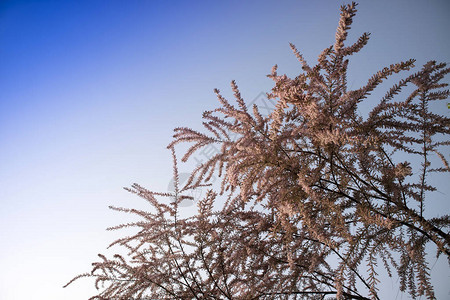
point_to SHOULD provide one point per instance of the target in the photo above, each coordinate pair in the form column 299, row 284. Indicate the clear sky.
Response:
column 91, row 90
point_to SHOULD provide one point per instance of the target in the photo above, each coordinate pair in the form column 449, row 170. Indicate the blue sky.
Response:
column 91, row 90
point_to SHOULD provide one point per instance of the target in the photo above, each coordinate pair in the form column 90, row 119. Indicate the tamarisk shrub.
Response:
column 317, row 198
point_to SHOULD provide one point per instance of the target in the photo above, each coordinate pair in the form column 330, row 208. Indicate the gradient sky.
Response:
column 91, row 90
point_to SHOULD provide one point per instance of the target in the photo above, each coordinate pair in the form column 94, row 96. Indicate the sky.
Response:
column 90, row 92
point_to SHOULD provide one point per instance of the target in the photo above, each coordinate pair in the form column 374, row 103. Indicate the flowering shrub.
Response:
column 316, row 195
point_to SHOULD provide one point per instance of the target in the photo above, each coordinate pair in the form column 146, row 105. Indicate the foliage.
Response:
column 318, row 197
